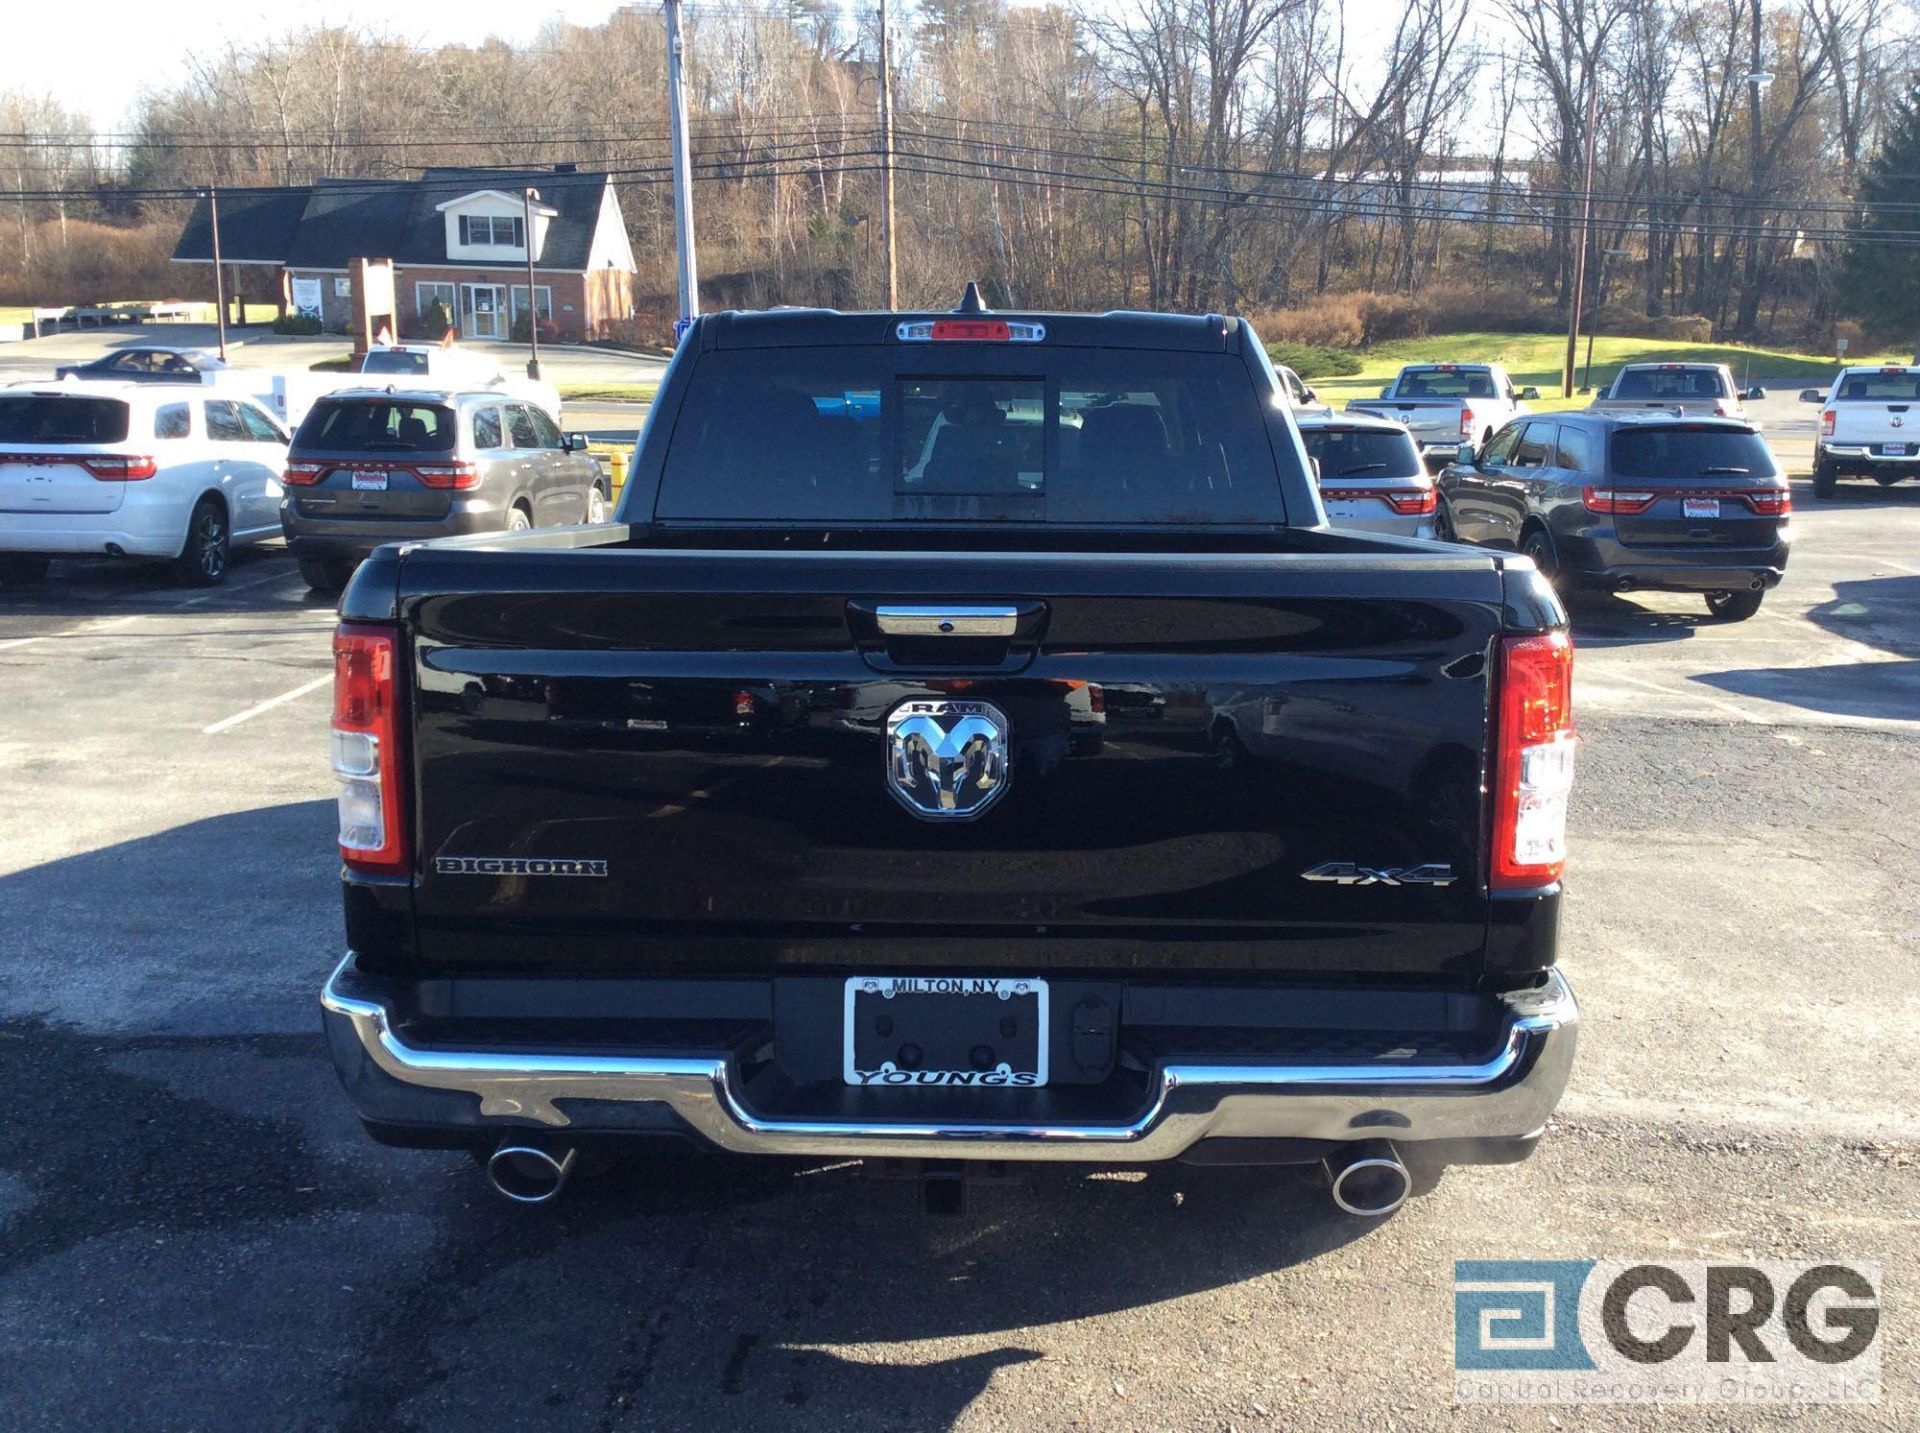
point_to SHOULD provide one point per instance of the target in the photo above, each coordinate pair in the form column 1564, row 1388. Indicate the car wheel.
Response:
column 1539, row 547
column 1734, row 606
column 1824, row 478
column 203, row 561
column 23, row 570
column 325, row 574
column 596, row 505
column 519, row 519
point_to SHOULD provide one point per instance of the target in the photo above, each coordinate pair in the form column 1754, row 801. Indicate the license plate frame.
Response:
column 925, row 1010
column 369, row 480
column 1699, row 507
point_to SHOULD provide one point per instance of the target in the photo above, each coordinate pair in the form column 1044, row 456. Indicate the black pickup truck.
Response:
column 970, row 742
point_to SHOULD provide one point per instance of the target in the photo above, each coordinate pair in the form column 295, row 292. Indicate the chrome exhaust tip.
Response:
column 1367, row 1179
column 528, row 1172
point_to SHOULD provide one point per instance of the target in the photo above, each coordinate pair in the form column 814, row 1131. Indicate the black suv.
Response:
column 1617, row 502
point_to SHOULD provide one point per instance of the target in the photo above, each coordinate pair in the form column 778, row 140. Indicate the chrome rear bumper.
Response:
column 1508, row 1095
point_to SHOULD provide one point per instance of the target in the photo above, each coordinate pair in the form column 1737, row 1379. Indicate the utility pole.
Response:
column 219, row 277
column 888, row 280
column 528, row 195
column 682, row 176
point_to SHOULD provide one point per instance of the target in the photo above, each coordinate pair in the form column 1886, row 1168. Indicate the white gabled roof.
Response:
column 511, row 198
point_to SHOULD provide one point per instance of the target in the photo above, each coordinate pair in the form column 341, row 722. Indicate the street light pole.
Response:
column 889, row 283
column 1586, row 225
column 533, row 307
column 682, row 175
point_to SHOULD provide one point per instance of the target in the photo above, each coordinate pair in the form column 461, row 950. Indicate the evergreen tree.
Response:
column 1880, row 281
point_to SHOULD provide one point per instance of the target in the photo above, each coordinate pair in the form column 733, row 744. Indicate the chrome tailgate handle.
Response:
column 947, row 621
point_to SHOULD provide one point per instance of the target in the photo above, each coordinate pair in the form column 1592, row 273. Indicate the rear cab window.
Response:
column 1894, row 386
column 1679, row 382
column 1008, row 434
column 377, row 425
column 62, row 418
column 376, row 362
column 1445, row 383
column 1362, row 453
column 1669, row 452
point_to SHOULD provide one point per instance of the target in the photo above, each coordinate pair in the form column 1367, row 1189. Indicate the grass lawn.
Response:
column 609, row 392
column 1535, row 358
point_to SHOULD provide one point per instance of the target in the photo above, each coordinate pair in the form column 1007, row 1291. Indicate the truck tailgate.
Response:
column 631, row 760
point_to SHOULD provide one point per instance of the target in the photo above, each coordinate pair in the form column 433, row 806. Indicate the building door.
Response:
column 483, row 310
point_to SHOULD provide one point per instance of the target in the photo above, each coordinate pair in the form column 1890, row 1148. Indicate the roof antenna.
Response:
column 971, row 302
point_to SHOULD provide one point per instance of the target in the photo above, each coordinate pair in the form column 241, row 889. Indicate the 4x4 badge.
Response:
column 1345, row 873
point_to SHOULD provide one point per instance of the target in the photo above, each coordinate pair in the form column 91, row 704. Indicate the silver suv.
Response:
column 371, row 466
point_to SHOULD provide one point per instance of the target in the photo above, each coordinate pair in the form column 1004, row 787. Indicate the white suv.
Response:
column 129, row 470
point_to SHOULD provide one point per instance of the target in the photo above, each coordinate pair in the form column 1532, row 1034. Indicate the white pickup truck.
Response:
column 1684, row 390
column 409, row 365
column 1869, row 427
column 1448, row 405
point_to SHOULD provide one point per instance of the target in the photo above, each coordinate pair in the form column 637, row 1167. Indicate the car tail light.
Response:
column 302, row 475
column 1096, row 697
column 1533, row 761
column 1618, row 500
column 1466, row 422
column 1826, row 424
column 1770, row 502
column 120, row 467
column 447, row 475
column 367, row 760
column 743, row 703
column 1423, row 500
column 969, row 330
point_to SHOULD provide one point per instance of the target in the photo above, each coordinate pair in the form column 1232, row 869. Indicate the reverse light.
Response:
column 301, row 475
column 366, row 749
column 1534, row 744
column 1618, row 500
column 1826, row 424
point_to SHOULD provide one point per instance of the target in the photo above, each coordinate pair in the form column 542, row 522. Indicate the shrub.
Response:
column 1468, row 308
column 296, row 323
column 1855, row 334
column 523, row 330
column 1329, row 321
column 1681, row 327
column 438, row 320
column 1384, row 317
column 1310, row 362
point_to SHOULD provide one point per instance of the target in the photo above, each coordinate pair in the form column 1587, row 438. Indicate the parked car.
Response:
column 120, row 470
column 1448, row 405
column 1869, row 427
column 1618, row 503
column 1692, row 390
column 1299, row 395
column 388, row 465
column 411, row 365
column 940, row 934
column 1372, row 477
column 147, row 365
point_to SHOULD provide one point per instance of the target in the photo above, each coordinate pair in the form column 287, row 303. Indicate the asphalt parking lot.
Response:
column 195, row 1234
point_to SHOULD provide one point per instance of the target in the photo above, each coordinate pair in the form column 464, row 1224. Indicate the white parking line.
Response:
column 268, row 705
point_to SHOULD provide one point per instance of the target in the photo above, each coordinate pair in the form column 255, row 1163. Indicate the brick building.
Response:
column 458, row 239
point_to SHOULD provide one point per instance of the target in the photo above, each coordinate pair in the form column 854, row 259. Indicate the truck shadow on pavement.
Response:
column 1882, row 612
column 258, row 579
column 181, row 1171
column 1601, row 619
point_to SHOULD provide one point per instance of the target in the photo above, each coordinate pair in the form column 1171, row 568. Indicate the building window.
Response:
column 542, row 299
column 495, row 230
column 434, row 322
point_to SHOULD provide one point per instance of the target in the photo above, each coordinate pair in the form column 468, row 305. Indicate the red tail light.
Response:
column 367, row 761
column 1770, row 502
column 1826, row 424
column 1466, row 422
column 1618, row 500
column 743, row 703
column 1533, row 761
column 1096, row 697
column 447, row 475
column 120, row 467
column 1410, row 502
column 302, row 475
column 972, row 330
